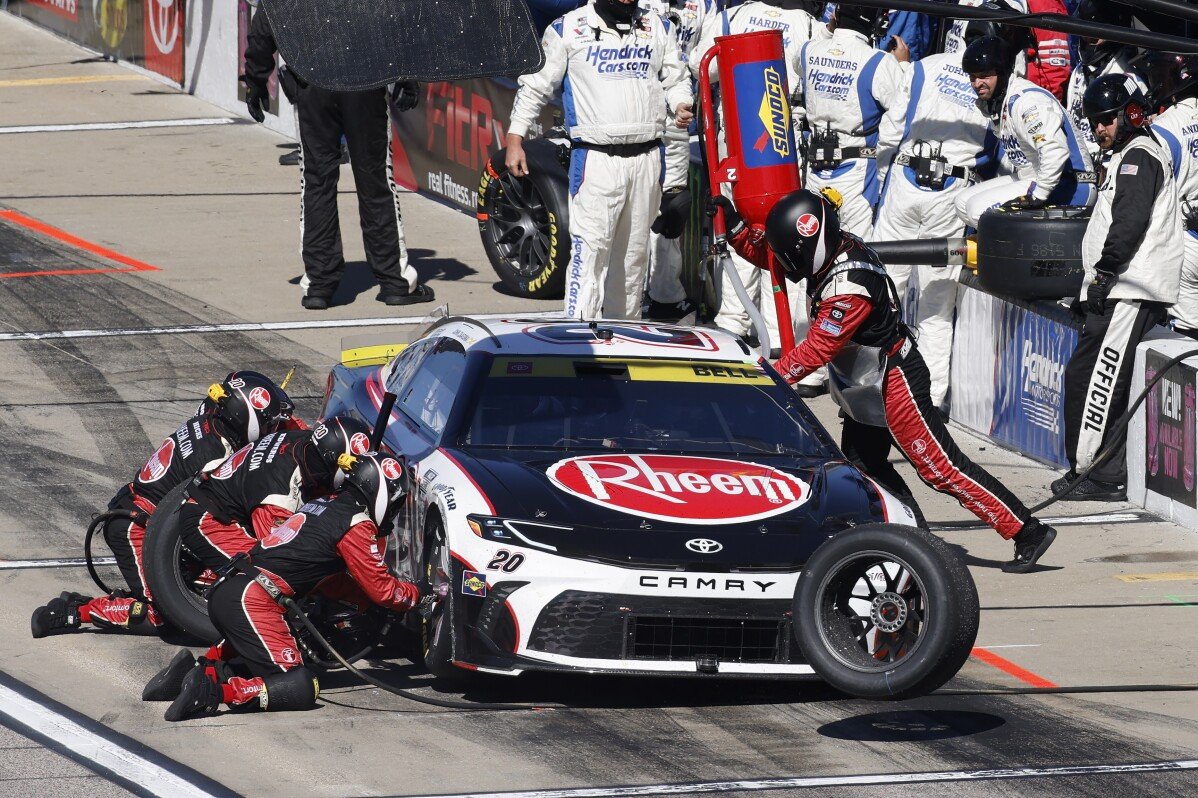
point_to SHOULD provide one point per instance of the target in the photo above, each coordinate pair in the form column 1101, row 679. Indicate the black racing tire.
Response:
column 525, row 221
column 436, row 631
column 165, row 559
column 1032, row 254
column 901, row 641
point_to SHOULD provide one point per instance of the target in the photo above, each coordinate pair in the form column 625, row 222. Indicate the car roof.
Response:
column 601, row 338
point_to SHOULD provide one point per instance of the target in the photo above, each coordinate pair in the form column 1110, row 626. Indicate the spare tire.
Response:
column 525, row 221
column 1032, row 254
column 170, row 573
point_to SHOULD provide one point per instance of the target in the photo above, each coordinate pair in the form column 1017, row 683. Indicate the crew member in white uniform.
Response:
column 852, row 94
column 1045, row 163
column 946, row 139
column 1177, row 129
column 619, row 70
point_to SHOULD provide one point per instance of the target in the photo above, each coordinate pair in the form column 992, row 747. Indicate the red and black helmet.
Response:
column 378, row 480
column 803, row 230
column 249, row 404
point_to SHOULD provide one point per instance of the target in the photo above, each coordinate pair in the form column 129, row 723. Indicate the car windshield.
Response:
column 555, row 402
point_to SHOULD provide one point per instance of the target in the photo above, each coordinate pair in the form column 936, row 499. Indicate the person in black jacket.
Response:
column 324, row 118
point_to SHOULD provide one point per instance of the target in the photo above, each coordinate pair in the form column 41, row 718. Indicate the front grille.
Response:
column 722, row 639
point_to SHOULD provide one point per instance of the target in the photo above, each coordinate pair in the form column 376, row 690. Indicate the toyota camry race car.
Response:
column 637, row 498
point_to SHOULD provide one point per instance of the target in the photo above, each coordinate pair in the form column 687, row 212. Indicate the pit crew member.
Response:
column 1098, row 57
column 1132, row 252
column 1042, row 56
column 236, row 412
column 236, row 504
column 258, row 664
column 621, row 71
column 1040, row 148
column 946, row 141
column 854, row 114
column 854, row 306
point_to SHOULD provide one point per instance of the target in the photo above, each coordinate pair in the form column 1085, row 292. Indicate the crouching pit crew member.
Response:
column 229, row 508
column 258, row 664
column 249, row 404
column 853, row 302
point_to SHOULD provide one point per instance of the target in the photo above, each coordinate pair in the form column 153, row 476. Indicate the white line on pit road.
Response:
column 81, row 126
column 836, row 781
column 60, row 562
column 1062, row 520
column 106, row 754
column 254, row 326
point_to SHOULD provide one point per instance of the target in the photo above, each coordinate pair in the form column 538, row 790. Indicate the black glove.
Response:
column 1024, row 203
column 405, row 96
column 257, row 99
column 675, row 208
column 1099, row 290
column 430, row 597
column 733, row 221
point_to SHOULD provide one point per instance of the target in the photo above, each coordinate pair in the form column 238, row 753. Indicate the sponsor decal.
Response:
column 359, row 443
column 763, row 113
column 837, row 314
column 650, row 335
column 226, row 469
column 519, row 367
column 164, row 37
column 259, row 398
column 692, row 490
column 67, row 9
column 807, row 225
column 474, row 584
column 285, row 532
column 704, row 545
column 288, row 655
column 1169, row 450
column 391, row 468
column 156, row 467
column 829, row 327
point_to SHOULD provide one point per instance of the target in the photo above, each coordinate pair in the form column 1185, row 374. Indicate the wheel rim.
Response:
column 518, row 225
column 436, row 571
column 871, row 610
column 188, row 576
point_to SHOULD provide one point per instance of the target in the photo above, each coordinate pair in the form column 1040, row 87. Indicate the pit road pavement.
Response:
column 208, row 207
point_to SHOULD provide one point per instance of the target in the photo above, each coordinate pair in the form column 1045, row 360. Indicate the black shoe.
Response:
column 1030, row 544
column 315, row 302
column 1090, row 490
column 421, row 293
column 290, row 158
column 198, row 696
column 810, row 391
column 58, row 613
column 166, row 684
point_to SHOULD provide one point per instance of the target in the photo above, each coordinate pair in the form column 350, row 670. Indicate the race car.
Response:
column 625, row 497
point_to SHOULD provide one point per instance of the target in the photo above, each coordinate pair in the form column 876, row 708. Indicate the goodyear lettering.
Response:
column 551, row 263
column 775, row 112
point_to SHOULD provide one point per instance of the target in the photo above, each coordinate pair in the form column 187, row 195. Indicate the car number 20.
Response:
column 505, row 561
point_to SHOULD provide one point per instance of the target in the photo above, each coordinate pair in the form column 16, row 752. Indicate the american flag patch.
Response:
column 1129, row 169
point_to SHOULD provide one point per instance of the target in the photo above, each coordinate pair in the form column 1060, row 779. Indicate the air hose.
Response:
column 96, row 523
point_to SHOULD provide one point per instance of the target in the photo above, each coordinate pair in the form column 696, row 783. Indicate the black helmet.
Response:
column 379, row 482
column 803, row 230
column 340, row 435
column 1118, row 97
column 988, row 54
column 977, row 28
column 871, row 21
column 1171, row 78
column 248, row 403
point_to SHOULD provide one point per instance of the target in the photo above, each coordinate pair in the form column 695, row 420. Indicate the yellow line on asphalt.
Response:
column 1177, row 576
column 67, row 79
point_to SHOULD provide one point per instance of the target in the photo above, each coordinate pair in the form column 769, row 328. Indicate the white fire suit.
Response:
column 1177, row 129
column 1045, row 62
column 943, row 117
column 1041, row 152
column 690, row 20
column 1080, row 78
column 615, row 92
column 797, row 27
column 854, row 91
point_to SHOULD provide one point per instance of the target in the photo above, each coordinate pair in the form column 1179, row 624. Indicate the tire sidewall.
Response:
column 438, row 655
column 163, row 538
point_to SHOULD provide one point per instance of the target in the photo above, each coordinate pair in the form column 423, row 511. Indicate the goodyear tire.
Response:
column 436, row 631
column 885, row 612
column 525, row 222
column 1032, row 254
column 171, row 573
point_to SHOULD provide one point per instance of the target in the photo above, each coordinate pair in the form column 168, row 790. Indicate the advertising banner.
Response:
column 1169, row 458
column 163, row 38
column 114, row 27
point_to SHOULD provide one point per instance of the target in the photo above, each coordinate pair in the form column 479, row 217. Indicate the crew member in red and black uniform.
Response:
column 235, row 413
column 854, row 304
column 258, row 663
column 231, row 507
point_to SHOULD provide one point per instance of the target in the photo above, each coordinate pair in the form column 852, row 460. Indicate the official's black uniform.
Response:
column 324, row 117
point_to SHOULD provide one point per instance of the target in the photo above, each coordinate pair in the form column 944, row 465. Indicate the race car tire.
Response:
column 525, row 221
column 1032, row 254
column 163, row 551
column 885, row 612
column 436, row 631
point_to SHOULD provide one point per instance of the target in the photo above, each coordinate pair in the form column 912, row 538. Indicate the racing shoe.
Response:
column 421, row 293
column 199, row 696
column 1030, row 544
column 166, row 684
column 1089, row 490
column 59, row 613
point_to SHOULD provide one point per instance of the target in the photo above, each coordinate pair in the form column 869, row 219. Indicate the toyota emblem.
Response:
column 704, row 545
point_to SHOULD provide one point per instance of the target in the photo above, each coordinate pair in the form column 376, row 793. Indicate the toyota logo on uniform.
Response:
column 704, row 545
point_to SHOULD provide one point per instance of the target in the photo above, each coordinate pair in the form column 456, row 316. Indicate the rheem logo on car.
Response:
column 690, row 490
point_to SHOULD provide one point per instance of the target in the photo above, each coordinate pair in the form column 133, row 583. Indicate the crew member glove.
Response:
column 430, row 597
column 1024, row 203
column 733, row 221
column 405, row 96
column 1099, row 290
column 675, row 208
column 257, row 99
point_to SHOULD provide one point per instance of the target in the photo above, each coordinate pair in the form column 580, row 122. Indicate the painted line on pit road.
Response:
column 1177, row 576
column 1128, row 517
column 206, row 121
column 1010, row 668
column 114, row 756
column 67, row 80
column 263, row 326
column 37, row 226
column 53, row 562
column 825, row 782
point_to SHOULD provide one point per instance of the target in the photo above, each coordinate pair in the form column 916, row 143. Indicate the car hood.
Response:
column 674, row 511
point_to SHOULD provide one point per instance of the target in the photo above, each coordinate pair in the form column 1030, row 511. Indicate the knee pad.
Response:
column 296, row 689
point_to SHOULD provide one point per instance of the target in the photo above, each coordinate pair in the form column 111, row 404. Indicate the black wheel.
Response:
column 525, row 222
column 173, row 574
column 886, row 612
column 352, row 633
column 436, row 635
column 1032, row 254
